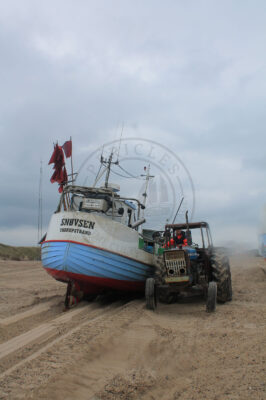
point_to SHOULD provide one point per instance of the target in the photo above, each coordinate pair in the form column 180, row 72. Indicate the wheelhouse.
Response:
column 101, row 201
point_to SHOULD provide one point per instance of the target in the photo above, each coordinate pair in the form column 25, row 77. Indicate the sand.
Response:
column 116, row 349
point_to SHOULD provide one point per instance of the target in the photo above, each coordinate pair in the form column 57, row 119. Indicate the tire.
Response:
column 211, row 297
column 221, row 274
column 150, row 294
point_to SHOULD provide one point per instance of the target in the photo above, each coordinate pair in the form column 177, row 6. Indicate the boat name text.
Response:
column 80, row 223
column 73, row 230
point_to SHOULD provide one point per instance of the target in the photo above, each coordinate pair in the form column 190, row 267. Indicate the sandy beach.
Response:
column 114, row 348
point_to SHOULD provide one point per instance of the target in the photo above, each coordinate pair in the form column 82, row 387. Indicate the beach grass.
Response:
column 17, row 253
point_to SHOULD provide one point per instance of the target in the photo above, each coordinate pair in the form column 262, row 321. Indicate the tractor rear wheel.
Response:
column 150, row 294
column 211, row 297
column 221, row 274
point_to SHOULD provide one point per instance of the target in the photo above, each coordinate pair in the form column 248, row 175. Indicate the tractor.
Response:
column 188, row 266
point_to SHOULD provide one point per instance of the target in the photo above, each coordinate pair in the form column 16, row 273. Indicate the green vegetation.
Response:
column 19, row 253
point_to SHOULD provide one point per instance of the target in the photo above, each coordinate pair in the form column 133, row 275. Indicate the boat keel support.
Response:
column 73, row 295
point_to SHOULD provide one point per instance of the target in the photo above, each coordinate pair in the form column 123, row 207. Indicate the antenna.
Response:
column 40, row 206
column 188, row 232
column 120, row 142
column 178, row 209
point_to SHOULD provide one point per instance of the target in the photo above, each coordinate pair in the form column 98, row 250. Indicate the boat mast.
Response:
column 72, row 173
column 108, row 168
column 147, row 178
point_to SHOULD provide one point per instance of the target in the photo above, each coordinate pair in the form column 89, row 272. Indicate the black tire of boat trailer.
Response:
column 211, row 297
column 68, row 293
column 150, row 294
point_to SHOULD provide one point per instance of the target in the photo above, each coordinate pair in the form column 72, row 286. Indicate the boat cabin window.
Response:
column 120, row 212
column 99, row 203
column 76, row 202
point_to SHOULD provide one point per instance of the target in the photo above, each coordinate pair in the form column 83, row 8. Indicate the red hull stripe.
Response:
column 93, row 284
column 99, row 248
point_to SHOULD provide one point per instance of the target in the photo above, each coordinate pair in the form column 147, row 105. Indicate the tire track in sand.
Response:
column 36, row 309
column 46, row 328
column 48, row 331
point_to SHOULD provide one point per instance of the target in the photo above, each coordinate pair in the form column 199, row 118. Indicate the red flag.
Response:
column 57, row 156
column 53, row 156
column 60, row 174
column 67, row 147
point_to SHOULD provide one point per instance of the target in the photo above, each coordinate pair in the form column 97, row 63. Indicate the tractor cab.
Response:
column 200, row 238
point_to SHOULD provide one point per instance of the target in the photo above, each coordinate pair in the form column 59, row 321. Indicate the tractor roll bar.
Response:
column 191, row 225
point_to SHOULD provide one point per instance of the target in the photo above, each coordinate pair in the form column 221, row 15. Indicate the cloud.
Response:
column 25, row 235
column 189, row 75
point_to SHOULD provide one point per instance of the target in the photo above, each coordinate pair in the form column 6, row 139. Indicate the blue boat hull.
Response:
column 93, row 269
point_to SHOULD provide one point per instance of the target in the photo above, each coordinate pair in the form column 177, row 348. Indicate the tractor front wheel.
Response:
column 150, row 294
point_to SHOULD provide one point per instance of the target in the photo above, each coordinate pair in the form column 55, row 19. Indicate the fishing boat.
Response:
column 94, row 242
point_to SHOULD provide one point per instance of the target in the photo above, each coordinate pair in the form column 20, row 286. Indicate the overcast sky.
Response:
column 188, row 74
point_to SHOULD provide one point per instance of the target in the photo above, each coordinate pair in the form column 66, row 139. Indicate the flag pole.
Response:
column 40, row 205
column 72, row 173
